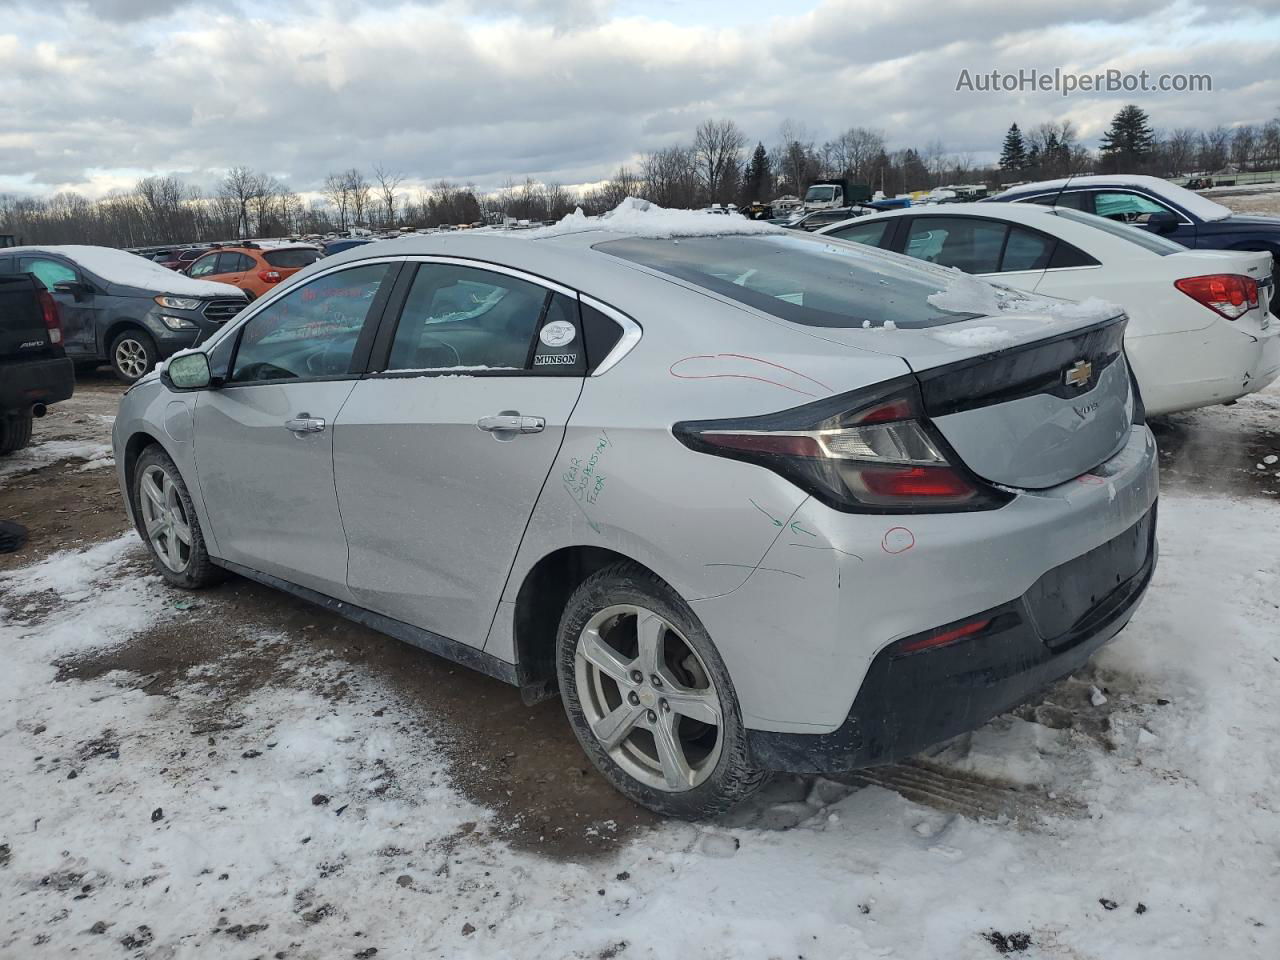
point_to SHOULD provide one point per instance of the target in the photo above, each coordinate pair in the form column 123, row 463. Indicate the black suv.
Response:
column 120, row 308
column 34, row 370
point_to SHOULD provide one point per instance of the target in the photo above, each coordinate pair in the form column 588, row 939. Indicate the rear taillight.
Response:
column 269, row 276
column 1226, row 294
column 49, row 314
column 863, row 452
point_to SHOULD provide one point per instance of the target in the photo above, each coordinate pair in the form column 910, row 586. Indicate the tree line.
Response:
column 717, row 166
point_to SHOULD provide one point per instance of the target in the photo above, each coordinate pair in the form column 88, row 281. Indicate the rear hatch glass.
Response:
column 1029, row 391
column 291, row 258
column 806, row 280
column 22, row 329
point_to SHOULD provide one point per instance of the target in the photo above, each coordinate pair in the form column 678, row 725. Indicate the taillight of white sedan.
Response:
column 1200, row 331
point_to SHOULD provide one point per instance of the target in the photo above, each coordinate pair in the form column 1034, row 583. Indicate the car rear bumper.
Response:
column 1198, row 368
column 29, row 382
column 910, row 701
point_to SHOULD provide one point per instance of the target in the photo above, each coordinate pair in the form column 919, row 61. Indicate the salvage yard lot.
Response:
column 235, row 771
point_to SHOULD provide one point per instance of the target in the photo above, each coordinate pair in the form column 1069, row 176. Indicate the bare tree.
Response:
column 239, row 187
column 718, row 145
column 339, row 194
column 388, row 184
column 358, row 191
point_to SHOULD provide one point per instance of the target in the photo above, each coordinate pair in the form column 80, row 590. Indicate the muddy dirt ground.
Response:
column 520, row 761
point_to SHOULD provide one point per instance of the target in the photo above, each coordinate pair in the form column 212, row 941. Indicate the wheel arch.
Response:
column 117, row 327
column 539, row 604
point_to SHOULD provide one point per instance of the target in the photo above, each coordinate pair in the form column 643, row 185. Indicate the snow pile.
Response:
column 51, row 451
column 974, row 336
column 130, row 270
column 640, row 218
column 964, row 293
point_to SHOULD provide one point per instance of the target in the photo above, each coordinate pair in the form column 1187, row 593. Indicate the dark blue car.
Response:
column 1159, row 206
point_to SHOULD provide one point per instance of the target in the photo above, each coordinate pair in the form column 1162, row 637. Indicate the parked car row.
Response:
column 746, row 499
column 118, row 308
column 1200, row 328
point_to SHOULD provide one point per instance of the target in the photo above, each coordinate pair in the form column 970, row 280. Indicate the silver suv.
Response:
column 750, row 501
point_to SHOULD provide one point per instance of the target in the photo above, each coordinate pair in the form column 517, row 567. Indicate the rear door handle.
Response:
column 305, row 424
column 511, row 423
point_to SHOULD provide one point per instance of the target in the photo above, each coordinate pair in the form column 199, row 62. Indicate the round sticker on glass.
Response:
column 557, row 333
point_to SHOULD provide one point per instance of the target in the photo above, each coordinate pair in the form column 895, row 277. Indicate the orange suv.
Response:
column 252, row 268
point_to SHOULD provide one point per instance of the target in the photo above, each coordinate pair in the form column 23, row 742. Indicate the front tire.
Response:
column 15, row 432
column 649, row 697
column 168, row 524
column 133, row 354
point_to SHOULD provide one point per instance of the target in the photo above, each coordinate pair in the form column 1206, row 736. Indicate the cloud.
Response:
column 563, row 90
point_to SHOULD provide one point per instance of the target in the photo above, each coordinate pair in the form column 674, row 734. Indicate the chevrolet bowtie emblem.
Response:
column 1079, row 373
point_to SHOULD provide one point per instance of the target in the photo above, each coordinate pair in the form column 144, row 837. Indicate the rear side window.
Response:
column 966, row 243
column 872, row 234
column 465, row 318
column 234, row 263
column 798, row 277
column 1026, row 250
column 291, row 258
column 1074, row 200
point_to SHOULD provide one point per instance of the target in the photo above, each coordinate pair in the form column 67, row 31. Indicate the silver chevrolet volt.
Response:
column 748, row 502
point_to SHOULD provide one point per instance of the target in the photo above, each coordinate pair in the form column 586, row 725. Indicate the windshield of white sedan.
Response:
column 801, row 279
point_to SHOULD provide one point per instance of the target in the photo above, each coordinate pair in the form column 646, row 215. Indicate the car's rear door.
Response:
column 440, row 458
column 264, row 438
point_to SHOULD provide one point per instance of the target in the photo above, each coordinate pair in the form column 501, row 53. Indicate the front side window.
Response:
column 206, row 266
column 799, row 277
column 1126, row 207
column 872, row 233
column 465, row 318
column 966, row 243
column 312, row 331
column 48, row 272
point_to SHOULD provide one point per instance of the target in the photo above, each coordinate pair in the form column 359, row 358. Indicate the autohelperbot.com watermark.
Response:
column 1032, row 80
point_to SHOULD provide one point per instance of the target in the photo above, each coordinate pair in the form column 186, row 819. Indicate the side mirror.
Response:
column 1164, row 222
column 80, row 291
column 190, row 371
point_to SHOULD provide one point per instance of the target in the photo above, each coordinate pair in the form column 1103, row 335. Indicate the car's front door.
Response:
column 77, row 302
column 440, row 459
column 264, row 438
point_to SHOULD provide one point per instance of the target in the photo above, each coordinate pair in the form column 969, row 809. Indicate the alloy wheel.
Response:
column 648, row 698
column 165, row 519
column 131, row 358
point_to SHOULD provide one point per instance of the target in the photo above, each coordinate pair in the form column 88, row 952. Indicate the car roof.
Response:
column 1192, row 202
column 1034, row 215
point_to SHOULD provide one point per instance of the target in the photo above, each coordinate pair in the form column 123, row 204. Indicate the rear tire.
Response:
column 133, row 353
column 15, row 431
column 649, row 697
column 167, row 522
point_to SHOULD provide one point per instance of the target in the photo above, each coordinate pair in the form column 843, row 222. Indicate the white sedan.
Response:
column 1199, row 332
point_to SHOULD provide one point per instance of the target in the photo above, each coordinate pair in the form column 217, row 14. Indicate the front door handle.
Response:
column 304, row 423
column 511, row 423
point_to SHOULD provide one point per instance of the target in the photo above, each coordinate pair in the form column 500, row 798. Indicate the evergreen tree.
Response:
column 757, row 182
column 1130, row 143
column 1033, row 157
column 1013, row 156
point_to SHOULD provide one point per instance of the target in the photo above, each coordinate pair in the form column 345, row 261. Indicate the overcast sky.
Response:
column 95, row 94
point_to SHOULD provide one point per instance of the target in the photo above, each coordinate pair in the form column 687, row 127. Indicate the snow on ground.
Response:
column 42, row 454
column 278, row 819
